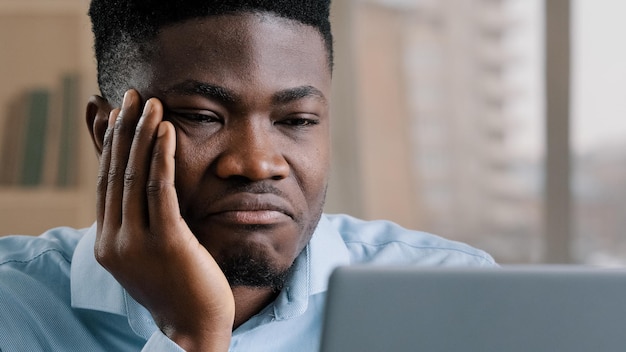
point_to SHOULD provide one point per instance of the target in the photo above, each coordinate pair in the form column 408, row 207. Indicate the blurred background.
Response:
column 495, row 122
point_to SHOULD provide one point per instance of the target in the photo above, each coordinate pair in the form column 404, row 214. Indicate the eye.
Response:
column 203, row 116
column 298, row 121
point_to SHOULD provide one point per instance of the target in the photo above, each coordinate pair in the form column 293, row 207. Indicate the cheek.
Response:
column 313, row 171
column 192, row 161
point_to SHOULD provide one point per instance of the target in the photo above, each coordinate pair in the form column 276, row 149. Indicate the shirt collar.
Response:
column 312, row 268
column 94, row 288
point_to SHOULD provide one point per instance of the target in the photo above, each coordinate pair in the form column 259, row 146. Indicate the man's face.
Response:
column 249, row 98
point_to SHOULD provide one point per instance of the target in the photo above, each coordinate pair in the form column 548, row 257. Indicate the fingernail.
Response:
column 162, row 129
column 148, row 108
column 127, row 102
column 113, row 117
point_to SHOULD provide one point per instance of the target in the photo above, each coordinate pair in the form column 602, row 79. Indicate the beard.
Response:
column 252, row 268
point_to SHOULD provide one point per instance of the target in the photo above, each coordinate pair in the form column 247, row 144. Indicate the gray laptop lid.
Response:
column 510, row 309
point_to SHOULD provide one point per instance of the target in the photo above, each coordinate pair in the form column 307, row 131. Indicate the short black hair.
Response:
column 123, row 28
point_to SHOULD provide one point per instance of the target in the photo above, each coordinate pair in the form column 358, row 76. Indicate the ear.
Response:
column 97, row 118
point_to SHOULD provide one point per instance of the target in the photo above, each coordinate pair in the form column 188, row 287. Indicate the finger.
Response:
column 123, row 133
column 162, row 199
column 103, row 172
column 134, row 204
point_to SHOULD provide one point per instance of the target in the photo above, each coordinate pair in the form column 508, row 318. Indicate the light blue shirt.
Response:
column 54, row 296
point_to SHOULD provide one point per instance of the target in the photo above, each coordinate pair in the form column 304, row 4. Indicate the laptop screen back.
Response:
column 510, row 309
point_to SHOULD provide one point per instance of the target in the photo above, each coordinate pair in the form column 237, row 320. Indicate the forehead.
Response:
column 241, row 49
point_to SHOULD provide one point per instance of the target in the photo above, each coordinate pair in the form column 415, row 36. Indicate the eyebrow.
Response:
column 292, row 94
column 227, row 96
column 207, row 90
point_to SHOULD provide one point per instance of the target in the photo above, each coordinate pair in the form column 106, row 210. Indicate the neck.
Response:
column 250, row 301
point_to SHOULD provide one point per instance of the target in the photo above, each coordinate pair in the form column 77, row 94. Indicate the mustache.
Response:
column 237, row 186
column 243, row 186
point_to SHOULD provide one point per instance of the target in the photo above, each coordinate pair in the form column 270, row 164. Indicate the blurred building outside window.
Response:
column 467, row 75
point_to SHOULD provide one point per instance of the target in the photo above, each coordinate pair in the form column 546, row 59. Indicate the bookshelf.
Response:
column 42, row 43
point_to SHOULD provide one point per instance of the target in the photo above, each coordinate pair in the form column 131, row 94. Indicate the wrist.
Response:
column 204, row 340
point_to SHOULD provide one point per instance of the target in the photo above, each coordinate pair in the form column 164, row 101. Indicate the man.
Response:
column 213, row 139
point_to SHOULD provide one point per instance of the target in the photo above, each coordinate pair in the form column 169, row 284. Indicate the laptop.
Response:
column 508, row 309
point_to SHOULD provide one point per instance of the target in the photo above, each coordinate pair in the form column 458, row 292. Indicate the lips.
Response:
column 256, row 217
column 250, row 209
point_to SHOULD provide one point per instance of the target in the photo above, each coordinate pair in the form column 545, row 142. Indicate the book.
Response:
column 11, row 155
column 61, row 135
column 35, row 134
column 52, row 139
column 68, row 144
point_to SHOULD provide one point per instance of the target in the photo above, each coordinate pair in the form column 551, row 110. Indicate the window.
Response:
column 462, row 101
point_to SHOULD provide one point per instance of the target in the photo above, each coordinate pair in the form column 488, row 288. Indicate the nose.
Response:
column 252, row 152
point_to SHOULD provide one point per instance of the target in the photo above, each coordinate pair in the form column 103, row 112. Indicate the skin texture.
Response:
column 226, row 162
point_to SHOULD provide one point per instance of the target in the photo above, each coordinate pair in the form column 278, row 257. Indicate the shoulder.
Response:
column 35, row 295
column 55, row 243
column 31, row 264
column 386, row 242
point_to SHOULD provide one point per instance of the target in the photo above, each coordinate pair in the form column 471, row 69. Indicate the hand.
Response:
column 143, row 241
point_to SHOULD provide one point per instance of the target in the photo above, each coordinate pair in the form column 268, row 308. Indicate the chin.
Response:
column 253, row 266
